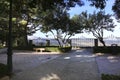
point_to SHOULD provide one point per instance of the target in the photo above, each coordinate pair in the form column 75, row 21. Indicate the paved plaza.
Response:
column 25, row 60
column 71, row 66
column 108, row 64
column 79, row 64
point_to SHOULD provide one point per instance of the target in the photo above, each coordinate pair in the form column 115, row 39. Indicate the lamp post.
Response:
column 9, row 52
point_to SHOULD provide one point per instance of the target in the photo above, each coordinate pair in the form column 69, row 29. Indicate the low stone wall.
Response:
column 3, row 50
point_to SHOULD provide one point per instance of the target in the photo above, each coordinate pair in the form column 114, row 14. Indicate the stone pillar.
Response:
column 48, row 43
column 70, row 42
column 30, row 42
column 96, row 42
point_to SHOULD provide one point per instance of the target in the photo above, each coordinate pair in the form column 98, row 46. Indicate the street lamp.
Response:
column 9, row 52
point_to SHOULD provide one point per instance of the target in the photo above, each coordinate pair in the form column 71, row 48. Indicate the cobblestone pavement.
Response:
column 24, row 60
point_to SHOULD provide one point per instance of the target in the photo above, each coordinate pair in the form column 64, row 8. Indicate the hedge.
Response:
column 110, row 77
column 107, row 49
column 47, row 48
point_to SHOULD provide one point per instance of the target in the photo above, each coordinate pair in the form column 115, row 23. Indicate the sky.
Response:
column 77, row 10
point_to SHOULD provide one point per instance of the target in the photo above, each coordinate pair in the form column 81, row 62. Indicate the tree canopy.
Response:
column 26, row 12
column 59, row 21
column 98, row 3
column 116, row 8
column 96, row 23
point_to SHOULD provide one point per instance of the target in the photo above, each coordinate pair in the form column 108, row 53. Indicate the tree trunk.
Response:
column 59, row 42
column 101, row 40
column 25, row 36
column 26, row 40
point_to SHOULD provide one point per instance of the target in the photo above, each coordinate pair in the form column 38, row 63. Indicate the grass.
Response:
column 52, row 49
column 58, row 49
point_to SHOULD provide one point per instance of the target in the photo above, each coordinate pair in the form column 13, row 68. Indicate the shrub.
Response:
column 3, row 70
column 47, row 48
column 1, row 46
column 65, row 49
column 110, row 77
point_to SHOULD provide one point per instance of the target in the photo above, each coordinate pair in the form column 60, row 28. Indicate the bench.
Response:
column 39, row 49
column 114, row 45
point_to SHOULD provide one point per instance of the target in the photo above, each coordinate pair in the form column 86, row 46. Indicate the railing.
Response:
column 90, row 42
column 87, row 42
column 84, row 42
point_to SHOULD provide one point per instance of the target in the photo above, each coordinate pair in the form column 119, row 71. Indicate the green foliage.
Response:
column 27, row 12
column 47, row 48
column 1, row 46
column 65, row 49
column 3, row 70
column 98, row 3
column 116, row 9
column 96, row 23
column 110, row 77
column 59, row 23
